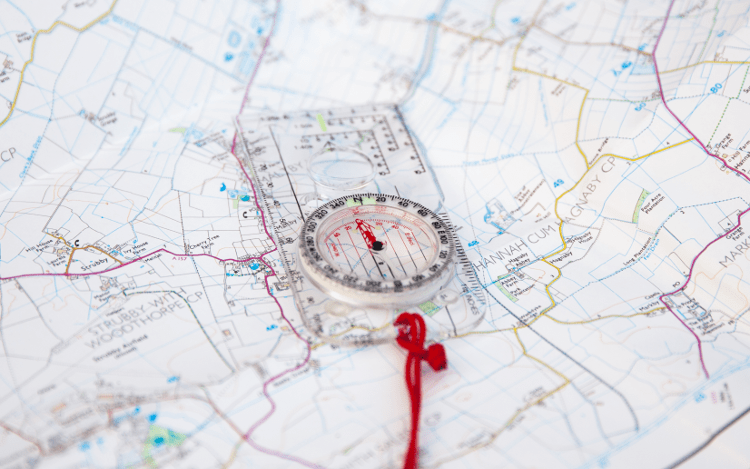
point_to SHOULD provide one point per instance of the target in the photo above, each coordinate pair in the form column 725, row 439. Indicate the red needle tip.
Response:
column 366, row 231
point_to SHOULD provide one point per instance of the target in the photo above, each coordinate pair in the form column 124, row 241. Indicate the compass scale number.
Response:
column 383, row 246
column 377, row 249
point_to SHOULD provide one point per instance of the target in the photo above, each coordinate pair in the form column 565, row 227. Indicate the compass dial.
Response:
column 377, row 250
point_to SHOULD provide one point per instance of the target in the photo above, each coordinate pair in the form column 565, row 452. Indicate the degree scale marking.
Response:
column 406, row 212
column 415, row 238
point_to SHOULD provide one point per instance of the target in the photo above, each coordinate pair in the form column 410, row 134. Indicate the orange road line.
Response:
column 74, row 249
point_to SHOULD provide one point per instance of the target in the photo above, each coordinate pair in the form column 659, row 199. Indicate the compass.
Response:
column 377, row 251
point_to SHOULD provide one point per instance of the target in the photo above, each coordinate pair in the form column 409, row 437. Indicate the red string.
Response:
column 411, row 336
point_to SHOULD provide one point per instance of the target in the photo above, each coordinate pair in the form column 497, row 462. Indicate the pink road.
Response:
column 687, row 281
column 272, row 273
column 690, row 273
column 125, row 264
column 248, row 435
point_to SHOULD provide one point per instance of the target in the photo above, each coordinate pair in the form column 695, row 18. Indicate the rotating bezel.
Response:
column 356, row 290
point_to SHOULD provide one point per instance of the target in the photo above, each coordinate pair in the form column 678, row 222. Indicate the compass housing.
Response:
column 377, row 251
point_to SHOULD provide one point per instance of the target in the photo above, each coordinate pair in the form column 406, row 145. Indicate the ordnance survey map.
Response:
column 592, row 156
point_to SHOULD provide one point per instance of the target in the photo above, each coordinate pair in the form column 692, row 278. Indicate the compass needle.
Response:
column 422, row 244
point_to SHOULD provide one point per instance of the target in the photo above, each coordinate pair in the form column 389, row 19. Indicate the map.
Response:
column 591, row 156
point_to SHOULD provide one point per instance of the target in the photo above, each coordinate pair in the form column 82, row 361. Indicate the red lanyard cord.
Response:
column 411, row 337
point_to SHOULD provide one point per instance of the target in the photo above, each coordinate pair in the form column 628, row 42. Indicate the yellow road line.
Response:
column 531, row 404
column 233, row 454
column 583, row 102
column 594, row 44
column 526, row 353
column 560, row 228
column 607, row 155
column 571, row 323
column 33, row 49
column 492, row 22
column 517, row 413
column 565, row 244
column 717, row 62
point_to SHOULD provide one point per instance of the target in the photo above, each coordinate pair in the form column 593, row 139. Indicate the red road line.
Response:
column 86, row 274
column 248, row 435
column 690, row 273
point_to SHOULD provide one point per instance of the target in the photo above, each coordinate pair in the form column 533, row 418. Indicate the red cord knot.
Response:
column 436, row 357
column 411, row 336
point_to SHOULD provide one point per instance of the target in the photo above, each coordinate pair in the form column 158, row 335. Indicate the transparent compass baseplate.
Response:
column 365, row 258
column 355, row 157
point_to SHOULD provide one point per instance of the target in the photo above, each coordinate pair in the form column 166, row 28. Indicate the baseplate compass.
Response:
column 359, row 221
